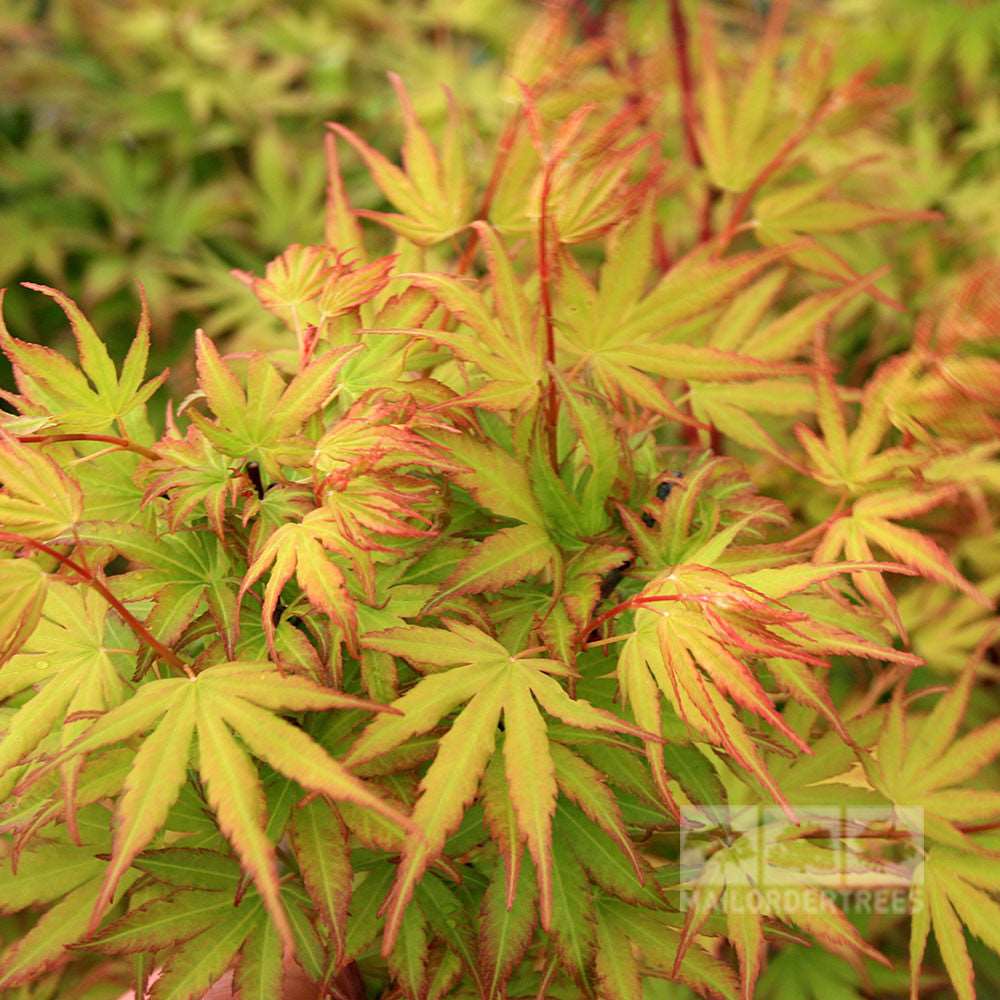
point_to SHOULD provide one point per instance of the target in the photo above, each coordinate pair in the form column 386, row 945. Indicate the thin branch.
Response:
column 141, row 632
column 119, row 442
column 545, row 286
column 689, row 111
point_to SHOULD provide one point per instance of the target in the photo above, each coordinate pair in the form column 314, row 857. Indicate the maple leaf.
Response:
column 626, row 339
column 953, row 889
column 200, row 931
column 354, row 510
column 871, row 522
column 22, row 594
column 307, row 285
column 91, row 400
column 854, row 460
column 633, row 942
column 241, row 698
column 502, row 335
column 758, row 856
column 924, row 763
column 946, row 628
column 378, row 434
column 180, row 571
column 433, row 195
column 262, row 424
column 501, row 484
column 191, row 474
column 690, row 524
column 67, row 877
column 467, row 665
column 921, row 763
column 694, row 628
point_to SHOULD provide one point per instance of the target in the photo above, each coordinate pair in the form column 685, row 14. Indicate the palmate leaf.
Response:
column 432, row 196
column 191, row 474
column 200, row 931
column 299, row 549
column 180, row 570
column 626, row 340
column 233, row 698
column 872, row 523
column 758, row 859
column 307, row 285
column 88, row 401
column 501, row 484
column 695, row 627
column 624, row 931
column 854, row 459
column 65, row 875
column 504, row 336
column 953, row 889
column 44, row 946
column 506, row 928
column 262, row 422
column 321, row 844
column 924, row 763
column 468, row 666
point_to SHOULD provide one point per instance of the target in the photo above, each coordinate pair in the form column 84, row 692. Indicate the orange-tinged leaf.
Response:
column 916, row 550
column 340, row 227
column 23, row 586
column 420, row 709
column 291, row 751
column 703, row 364
column 616, row 965
column 234, row 792
column 505, row 929
column 496, row 479
column 320, row 841
column 949, row 935
column 507, row 556
column 690, row 287
column 38, row 499
column 154, row 781
column 532, row 782
column 576, row 711
column 434, row 647
column 446, row 790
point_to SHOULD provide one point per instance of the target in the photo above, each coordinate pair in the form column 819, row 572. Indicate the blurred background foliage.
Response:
column 171, row 141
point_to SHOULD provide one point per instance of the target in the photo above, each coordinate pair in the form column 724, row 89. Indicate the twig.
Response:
column 141, row 632
column 118, row 442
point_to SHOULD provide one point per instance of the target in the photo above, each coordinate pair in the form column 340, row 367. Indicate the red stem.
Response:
column 689, row 112
column 142, row 633
column 119, row 442
column 503, row 155
column 545, row 284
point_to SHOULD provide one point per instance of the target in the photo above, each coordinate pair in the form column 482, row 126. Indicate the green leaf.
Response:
column 195, row 965
column 320, row 841
column 505, row 931
column 164, row 921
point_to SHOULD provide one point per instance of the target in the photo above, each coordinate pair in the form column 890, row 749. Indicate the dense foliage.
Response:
column 635, row 462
